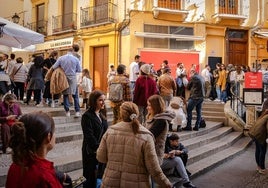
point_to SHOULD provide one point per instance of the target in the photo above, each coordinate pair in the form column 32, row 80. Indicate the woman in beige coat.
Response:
column 129, row 151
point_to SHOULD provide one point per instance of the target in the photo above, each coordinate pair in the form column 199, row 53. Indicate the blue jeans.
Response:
column 260, row 153
column 66, row 102
column 218, row 90
column 197, row 103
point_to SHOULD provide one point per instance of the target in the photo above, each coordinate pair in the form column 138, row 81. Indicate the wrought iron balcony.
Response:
column 106, row 13
column 40, row 26
column 64, row 23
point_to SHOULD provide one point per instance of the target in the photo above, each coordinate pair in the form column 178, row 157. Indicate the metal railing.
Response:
column 99, row 14
column 65, row 22
column 228, row 7
column 237, row 103
column 39, row 26
column 169, row 4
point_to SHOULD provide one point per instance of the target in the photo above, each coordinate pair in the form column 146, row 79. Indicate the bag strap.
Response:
column 17, row 71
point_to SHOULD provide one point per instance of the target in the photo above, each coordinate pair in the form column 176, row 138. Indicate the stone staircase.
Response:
column 208, row 147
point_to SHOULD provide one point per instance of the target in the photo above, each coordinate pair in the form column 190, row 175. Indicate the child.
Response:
column 86, row 84
column 177, row 105
column 111, row 74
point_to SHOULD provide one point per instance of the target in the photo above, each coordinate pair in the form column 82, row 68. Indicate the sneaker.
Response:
column 52, row 104
column 217, row 100
column 77, row 115
column 40, row 105
column 68, row 114
column 262, row 171
column 189, row 184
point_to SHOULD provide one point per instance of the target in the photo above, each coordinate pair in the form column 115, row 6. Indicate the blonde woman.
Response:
column 128, row 149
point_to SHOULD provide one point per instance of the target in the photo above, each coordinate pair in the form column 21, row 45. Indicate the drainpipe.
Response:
column 256, row 26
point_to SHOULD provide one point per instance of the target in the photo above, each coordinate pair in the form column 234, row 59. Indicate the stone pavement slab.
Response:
column 239, row 172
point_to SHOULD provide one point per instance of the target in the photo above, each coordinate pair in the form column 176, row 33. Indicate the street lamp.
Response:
column 1, row 28
column 15, row 18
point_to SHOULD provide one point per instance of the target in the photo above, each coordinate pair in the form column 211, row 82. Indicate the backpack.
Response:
column 116, row 91
column 202, row 123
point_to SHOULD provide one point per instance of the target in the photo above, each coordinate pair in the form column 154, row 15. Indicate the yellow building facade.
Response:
column 111, row 32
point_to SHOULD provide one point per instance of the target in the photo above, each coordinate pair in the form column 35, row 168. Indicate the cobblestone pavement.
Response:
column 240, row 172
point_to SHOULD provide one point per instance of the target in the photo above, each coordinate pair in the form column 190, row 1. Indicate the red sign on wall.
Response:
column 157, row 58
column 253, row 80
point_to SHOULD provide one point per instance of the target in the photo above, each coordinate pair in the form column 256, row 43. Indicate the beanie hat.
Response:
column 146, row 69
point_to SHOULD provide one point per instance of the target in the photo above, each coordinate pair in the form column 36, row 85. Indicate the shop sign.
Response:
column 54, row 44
column 253, row 80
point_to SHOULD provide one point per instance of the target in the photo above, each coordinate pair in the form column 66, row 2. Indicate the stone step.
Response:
column 68, row 127
column 213, row 160
column 208, row 149
column 64, row 119
column 202, row 140
column 69, row 136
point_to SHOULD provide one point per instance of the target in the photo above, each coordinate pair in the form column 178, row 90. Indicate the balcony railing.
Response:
column 170, row 4
column 99, row 14
column 64, row 23
column 40, row 26
column 228, row 6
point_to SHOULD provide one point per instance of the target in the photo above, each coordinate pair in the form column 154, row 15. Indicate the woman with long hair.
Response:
column 94, row 125
column 128, row 149
column 158, row 120
column 32, row 138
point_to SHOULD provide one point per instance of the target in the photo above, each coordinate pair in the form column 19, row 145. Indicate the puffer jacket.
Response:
column 160, row 140
column 130, row 158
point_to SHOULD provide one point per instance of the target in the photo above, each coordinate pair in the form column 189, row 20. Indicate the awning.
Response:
column 262, row 34
column 169, row 36
column 61, row 43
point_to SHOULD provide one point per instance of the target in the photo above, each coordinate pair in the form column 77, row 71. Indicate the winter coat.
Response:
column 131, row 159
column 196, row 86
column 58, row 81
column 159, row 127
column 144, row 88
column 36, row 79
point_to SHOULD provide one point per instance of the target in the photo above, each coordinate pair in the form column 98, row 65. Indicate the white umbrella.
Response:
column 17, row 36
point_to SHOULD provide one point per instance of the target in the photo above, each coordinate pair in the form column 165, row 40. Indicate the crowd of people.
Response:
column 137, row 149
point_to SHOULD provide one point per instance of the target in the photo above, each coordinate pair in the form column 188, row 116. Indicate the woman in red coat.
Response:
column 32, row 138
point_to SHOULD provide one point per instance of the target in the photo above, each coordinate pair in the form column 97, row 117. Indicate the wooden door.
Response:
column 100, row 67
column 237, row 47
column 238, row 53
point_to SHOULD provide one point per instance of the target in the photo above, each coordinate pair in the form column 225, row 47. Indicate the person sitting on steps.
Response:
column 175, row 159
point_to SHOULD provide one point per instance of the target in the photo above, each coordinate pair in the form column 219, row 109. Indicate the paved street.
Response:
column 239, row 172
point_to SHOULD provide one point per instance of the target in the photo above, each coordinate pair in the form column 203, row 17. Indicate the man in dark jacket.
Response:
column 196, row 86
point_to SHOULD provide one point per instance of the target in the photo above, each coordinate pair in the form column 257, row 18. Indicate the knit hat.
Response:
column 146, row 69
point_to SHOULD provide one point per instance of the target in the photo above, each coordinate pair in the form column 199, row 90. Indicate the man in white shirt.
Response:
column 207, row 77
column 133, row 73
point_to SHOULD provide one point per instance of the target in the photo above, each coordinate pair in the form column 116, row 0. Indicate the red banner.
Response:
column 253, row 80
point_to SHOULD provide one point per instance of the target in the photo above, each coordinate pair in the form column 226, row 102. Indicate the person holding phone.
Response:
column 9, row 113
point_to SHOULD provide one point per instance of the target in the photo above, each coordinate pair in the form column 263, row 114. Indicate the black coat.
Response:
column 93, row 130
